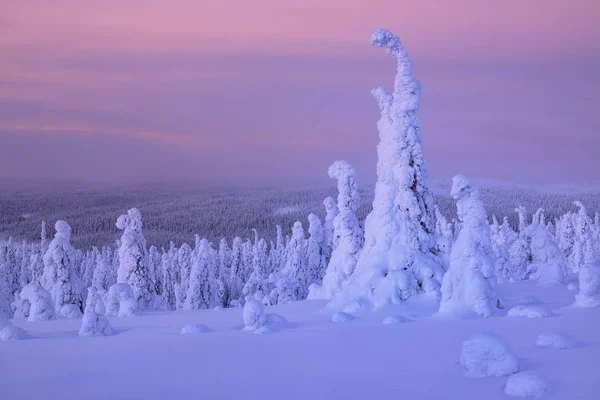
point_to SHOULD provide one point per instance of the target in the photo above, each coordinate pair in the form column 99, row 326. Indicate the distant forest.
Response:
column 176, row 212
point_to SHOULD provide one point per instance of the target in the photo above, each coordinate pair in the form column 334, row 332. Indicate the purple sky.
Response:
column 271, row 92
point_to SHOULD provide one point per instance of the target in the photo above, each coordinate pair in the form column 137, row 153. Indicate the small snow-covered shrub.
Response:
column 121, row 301
column 555, row 340
column 41, row 307
column 488, row 355
column 530, row 311
column 589, row 286
column 70, row 311
column 11, row 332
column 94, row 322
column 396, row 319
column 341, row 316
column 526, row 384
column 254, row 315
column 193, row 329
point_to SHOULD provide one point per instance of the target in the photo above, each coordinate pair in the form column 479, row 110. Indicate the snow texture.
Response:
column 529, row 311
column 469, row 285
column 486, row 355
column 396, row 319
column 94, row 322
column 340, row 317
column 555, row 340
column 194, row 329
column 526, row 384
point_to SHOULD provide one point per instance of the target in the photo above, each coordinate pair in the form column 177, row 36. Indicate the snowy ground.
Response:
column 313, row 358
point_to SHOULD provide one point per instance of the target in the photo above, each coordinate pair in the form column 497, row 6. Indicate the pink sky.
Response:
column 271, row 91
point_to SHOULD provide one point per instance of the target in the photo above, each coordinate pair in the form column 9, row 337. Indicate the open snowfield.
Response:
column 311, row 358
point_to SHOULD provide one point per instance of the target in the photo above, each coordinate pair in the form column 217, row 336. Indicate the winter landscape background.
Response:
column 166, row 230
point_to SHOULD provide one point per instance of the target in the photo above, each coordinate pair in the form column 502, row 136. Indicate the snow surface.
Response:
column 526, row 384
column 314, row 359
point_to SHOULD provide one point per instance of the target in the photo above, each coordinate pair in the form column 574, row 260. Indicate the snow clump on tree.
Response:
column 94, row 322
column 469, row 285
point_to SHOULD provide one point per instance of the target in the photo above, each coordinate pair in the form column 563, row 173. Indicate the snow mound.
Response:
column 254, row 316
column 11, row 332
column 276, row 320
column 531, row 300
column 396, row 319
column 217, row 308
column 70, row 311
column 526, row 384
column 555, row 340
column 529, row 311
column 193, row 329
column 487, row 354
column 341, row 316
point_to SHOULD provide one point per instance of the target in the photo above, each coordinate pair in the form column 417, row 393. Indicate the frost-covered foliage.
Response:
column 292, row 281
column 94, row 322
column 60, row 276
column 469, row 285
column 398, row 254
column 133, row 259
column 37, row 304
column 487, row 355
column 202, row 291
column 121, row 301
column 526, row 384
column 347, row 234
column 546, row 264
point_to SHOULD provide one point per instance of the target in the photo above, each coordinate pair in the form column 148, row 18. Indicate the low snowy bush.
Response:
column 41, row 307
column 589, row 286
column 396, row 319
column 254, row 316
column 529, row 311
column 341, row 316
column 193, row 329
column 488, row 355
column 121, row 301
column 94, row 321
column 526, row 384
column 555, row 340
column 11, row 332
column 70, row 311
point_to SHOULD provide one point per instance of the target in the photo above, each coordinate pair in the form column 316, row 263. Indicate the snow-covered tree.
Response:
column 94, row 321
column 522, row 213
column 400, row 230
column 546, row 264
column 445, row 236
column 59, row 277
column 291, row 280
column 185, row 261
column 348, row 236
column 103, row 278
column 5, row 292
column 171, row 274
column 133, row 257
column 583, row 233
column 255, row 286
column 331, row 211
column 316, row 257
column 121, row 301
column 199, row 294
column 469, row 285
column 37, row 303
column 589, row 277
column 236, row 284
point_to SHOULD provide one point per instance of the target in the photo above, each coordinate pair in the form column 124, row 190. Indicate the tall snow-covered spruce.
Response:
column 347, row 234
column 398, row 257
column 133, row 259
column 469, row 285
